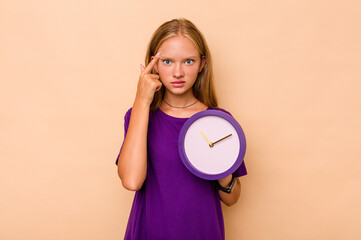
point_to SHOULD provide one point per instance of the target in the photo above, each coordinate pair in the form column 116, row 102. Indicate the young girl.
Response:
column 177, row 82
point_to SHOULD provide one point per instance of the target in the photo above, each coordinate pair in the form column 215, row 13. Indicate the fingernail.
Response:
column 158, row 53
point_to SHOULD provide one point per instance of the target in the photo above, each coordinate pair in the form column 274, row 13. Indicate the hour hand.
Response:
column 222, row 139
column 209, row 142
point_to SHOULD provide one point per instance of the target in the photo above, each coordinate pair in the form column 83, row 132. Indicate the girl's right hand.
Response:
column 148, row 83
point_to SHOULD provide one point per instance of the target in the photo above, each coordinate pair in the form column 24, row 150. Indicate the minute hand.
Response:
column 222, row 138
column 209, row 142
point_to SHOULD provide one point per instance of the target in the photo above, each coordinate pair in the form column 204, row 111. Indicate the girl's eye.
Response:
column 166, row 61
column 189, row 61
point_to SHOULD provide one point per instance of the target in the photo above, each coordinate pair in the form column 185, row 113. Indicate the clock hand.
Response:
column 209, row 142
column 222, row 139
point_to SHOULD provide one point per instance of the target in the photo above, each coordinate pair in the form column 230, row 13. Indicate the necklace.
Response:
column 180, row 107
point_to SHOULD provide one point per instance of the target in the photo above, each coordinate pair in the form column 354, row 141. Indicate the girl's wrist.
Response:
column 224, row 182
column 142, row 104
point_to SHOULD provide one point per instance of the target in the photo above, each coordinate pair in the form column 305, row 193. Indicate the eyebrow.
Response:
column 189, row 57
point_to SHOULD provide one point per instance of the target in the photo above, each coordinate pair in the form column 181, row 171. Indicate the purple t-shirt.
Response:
column 173, row 203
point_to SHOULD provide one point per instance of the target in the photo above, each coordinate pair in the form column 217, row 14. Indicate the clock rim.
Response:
column 236, row 126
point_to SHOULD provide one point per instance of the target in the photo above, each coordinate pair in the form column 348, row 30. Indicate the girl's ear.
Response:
column 203, row 62
column 155, row 66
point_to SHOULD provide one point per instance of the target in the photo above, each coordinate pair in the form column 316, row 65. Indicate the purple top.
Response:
column 173, row 203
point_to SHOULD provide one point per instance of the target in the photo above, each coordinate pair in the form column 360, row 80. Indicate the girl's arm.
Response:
column 132, row 162
column 231, row 198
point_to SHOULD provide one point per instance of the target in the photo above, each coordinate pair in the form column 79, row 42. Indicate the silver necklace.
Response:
column 180, row 107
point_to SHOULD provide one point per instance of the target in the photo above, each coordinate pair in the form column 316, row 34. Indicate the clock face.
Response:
column 212, row 144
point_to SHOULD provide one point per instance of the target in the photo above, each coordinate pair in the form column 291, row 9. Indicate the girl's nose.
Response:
column 178, row 71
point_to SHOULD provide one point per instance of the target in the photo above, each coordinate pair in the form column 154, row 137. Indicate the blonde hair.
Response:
column 203, row 88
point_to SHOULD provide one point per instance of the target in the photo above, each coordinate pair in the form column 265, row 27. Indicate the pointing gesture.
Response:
column 148, row 83
column 151, row 65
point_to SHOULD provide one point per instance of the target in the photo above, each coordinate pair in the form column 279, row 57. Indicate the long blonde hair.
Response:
column 203, row 88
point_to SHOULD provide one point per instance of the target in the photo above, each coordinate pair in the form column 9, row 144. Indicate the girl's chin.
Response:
column 178, row 91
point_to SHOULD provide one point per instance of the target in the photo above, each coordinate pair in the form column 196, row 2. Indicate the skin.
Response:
column 177, row 64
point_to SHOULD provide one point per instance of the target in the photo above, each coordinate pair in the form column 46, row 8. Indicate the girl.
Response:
column 177, row 82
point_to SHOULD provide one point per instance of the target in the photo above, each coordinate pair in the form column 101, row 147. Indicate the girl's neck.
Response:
column 181, row 106
column 177, row 101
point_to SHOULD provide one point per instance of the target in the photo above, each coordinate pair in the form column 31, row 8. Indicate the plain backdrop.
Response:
column 289, row 71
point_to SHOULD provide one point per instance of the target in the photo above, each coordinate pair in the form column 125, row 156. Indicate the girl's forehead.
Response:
column 178, row 45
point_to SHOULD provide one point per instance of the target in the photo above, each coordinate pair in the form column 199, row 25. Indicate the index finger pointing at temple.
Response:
column 150, row 66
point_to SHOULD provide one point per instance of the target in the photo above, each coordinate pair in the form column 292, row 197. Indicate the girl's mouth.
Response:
column 178, row 83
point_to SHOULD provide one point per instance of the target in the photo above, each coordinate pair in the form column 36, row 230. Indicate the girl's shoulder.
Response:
column 220, row 109
column 129, row 112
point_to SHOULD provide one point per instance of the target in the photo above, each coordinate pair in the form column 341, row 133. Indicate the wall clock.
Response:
column 211, row 144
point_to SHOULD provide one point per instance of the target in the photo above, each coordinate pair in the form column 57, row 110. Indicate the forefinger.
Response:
column 150, row 66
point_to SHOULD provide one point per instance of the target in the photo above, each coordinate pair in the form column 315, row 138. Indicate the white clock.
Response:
column 212, row 144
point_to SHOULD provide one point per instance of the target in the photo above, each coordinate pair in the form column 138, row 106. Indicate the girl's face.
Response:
column 179, row 65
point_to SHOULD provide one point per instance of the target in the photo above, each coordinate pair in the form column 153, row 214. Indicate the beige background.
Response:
column 289, row 71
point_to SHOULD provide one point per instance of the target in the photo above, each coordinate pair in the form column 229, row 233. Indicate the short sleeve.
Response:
column 126, row 125
column 241, row 170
